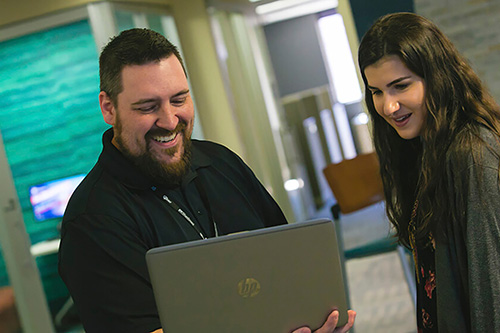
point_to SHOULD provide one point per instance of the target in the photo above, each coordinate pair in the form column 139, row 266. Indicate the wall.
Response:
column 296, row 54
column 194, row 31
column 365, row 12
column 21, row 10
column 474, row 27
column 50, row 122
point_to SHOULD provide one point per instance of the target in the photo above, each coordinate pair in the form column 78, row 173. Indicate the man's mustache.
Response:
column 181, row 126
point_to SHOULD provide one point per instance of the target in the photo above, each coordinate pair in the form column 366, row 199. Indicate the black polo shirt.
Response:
column 117, row 214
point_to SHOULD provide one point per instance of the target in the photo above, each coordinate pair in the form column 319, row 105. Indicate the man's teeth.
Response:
column 164, row 139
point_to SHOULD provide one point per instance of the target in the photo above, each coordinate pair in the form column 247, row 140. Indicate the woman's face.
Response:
column 398, row 95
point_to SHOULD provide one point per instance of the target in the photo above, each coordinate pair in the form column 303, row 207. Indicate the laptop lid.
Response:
column 268, row 280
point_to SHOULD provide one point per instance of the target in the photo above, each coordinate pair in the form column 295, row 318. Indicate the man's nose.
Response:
column 167, row 118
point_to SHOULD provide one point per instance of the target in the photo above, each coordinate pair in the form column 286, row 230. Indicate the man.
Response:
column 151, row 186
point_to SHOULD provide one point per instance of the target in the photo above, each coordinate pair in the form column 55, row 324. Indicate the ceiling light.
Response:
column 286, row 9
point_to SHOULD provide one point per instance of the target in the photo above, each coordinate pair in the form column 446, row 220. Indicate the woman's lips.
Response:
column 402, row 121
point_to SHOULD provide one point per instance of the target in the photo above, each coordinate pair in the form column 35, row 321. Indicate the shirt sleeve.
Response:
column 102, row 263
column 482, row 238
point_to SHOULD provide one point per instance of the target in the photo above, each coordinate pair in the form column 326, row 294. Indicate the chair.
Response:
column 356, row 184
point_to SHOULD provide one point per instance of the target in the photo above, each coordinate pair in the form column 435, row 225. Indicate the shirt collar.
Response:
column 122, row 168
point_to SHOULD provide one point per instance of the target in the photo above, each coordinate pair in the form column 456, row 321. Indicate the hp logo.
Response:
column 248, row 287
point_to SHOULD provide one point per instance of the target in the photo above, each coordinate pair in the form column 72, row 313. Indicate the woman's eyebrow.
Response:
column 392, row 82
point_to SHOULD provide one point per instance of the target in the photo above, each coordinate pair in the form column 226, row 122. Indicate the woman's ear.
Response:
column 107, row 108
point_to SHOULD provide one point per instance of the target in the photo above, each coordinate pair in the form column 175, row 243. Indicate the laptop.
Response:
column 272, row 280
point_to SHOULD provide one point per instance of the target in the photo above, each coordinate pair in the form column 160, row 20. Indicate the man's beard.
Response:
column 169, row 175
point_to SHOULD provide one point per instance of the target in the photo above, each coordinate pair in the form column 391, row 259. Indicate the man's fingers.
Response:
column 351, row 315
column 330, row 323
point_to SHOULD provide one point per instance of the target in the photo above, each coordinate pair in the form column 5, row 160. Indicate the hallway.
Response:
column 378, row 290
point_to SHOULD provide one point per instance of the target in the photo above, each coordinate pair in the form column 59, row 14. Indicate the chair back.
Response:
column 355, row 183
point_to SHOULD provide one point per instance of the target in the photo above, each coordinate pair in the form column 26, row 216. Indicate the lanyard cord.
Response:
column 206, row 203
column 184, row 215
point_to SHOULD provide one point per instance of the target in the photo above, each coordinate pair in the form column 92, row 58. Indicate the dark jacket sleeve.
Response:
column 468, row 263
column 482, row 237
column 102, row 264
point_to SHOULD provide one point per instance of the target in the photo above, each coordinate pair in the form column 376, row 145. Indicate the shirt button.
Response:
column 199, row 212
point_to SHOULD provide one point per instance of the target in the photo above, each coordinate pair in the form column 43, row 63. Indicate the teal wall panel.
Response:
column 50, row 122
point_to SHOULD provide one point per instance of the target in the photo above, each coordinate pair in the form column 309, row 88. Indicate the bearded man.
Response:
column 151, row 186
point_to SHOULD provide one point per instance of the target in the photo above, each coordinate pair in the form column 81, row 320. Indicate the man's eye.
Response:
column 147, row 108
column 179, row 101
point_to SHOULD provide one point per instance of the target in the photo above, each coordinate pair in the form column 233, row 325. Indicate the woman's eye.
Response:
column 376, row 92
column 402, row 86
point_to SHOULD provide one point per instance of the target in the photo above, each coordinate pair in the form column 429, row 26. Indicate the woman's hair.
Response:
column 457, row 106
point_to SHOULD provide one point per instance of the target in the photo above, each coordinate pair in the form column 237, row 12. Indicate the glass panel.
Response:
column 244, row 72
column 124, row 20
column 155, row 23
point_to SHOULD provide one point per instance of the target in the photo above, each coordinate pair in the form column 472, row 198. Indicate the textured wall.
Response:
column 474, row 28
column 50, row 122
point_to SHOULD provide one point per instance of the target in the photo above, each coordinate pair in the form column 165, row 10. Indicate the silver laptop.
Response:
column 268, row 280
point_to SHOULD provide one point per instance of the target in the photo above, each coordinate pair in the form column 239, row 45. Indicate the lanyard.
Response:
column 184, row 215
column 181, row 212
column 206, row 203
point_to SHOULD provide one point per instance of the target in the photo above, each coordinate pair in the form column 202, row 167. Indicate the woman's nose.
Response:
column 391, row 105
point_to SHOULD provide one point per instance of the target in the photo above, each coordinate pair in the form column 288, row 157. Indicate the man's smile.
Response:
column 164, row 139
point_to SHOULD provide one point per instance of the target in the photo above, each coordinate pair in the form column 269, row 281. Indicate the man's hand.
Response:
column 331, row 323
column 328, row 326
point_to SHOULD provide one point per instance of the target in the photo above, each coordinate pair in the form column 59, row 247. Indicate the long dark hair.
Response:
column 457, row 106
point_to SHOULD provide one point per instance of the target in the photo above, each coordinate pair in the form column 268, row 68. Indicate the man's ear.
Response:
column 107, row 108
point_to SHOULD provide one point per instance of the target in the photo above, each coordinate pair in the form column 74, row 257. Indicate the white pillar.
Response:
column 21, row 266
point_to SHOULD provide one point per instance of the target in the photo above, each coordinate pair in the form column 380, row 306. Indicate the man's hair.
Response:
column 457, row 104
column 131, row 47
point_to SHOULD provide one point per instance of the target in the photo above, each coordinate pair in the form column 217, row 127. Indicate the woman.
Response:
column 437, row 134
